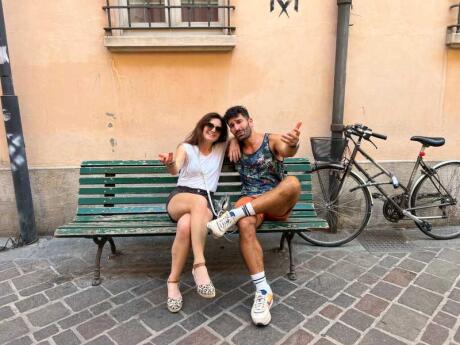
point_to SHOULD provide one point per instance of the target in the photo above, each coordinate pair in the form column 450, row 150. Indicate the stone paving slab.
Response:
column 355, row 294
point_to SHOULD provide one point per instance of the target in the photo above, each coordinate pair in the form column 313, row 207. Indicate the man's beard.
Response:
column 246, row 134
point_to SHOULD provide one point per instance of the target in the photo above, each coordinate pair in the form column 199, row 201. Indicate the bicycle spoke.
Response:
column 344, row 204
column 435, row 199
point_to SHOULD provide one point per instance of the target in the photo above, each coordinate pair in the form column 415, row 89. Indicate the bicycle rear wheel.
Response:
column 442, row 212
column 347, row 211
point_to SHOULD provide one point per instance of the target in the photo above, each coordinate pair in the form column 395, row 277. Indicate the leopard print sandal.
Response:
column 204, row 290
column 174, row 304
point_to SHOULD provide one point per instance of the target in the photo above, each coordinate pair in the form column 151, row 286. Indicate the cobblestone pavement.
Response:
column 387, row 287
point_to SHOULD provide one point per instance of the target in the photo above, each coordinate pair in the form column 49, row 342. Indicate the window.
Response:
column 181, row 12
column 153, row 20
column 202, row 14
column 172, row 14
column 146, row 15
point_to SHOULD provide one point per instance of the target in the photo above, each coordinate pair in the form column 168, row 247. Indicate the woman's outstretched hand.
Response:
column 234, row 150
column 166, row 158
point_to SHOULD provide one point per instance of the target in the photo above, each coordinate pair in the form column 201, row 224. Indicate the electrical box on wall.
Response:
column 453, row 38
column 453, row 31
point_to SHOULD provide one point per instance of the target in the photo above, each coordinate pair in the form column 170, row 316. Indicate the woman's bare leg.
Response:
column 179, row 253
column 197, row 207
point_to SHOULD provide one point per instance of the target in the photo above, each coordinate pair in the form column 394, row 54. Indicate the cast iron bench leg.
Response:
column 287, row 236
column 114, row 250
column 283, row 237
column 97, row 270
column 291, row 275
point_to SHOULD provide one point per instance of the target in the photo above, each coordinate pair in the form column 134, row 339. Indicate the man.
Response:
column 266, row 194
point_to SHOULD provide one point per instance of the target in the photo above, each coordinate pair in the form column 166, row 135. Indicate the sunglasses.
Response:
column 212, row 126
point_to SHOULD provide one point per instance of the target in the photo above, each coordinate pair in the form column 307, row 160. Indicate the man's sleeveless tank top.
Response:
column 260, row 171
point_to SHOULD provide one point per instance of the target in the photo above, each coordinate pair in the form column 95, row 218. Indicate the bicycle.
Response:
column 345, row 201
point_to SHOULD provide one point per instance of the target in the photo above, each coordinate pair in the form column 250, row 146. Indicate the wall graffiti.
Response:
column 6, row 115
column 284, row 4
column 15, row 149
column 113, row 143
column 4, row 55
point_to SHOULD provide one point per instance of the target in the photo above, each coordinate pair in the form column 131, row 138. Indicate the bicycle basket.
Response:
column 327, row 149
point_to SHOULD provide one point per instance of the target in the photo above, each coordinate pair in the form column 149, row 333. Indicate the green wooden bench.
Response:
column 127, row 198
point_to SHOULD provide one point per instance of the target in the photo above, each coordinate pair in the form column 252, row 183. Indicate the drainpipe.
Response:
column 16, row 145
column 343, row 22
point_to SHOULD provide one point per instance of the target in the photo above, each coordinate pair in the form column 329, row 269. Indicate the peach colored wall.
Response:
column 401, row 76
column 79, row 101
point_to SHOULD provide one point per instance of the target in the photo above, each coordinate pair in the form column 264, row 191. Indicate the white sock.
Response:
column 242, row 211
column 260, row 282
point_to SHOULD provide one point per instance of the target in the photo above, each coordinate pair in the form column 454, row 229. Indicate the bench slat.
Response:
column 147, row 169
column 82, row 232
column 149, row 209
column 157, row 217
column 163, row 189
column 151, row 223
column 121, row 210
column 152, row 200
column 161, row 169
column 120, row 163
column 157, row 162
column 274, row 226
column 68, row 231
column 160, row 179
column 124, row 217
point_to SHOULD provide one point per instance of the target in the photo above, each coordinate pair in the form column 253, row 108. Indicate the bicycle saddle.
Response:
column 429, row 141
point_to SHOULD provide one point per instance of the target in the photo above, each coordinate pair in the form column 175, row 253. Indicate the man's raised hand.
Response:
column 292, row 138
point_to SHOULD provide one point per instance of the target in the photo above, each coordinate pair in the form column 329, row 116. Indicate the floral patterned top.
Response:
column 261, row 171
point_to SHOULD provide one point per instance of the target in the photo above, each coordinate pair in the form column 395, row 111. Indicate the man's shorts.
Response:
column 261, row 216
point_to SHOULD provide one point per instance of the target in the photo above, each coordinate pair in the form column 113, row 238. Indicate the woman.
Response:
column 198, row 162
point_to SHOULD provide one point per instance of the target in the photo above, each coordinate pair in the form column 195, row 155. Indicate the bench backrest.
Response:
column 140, row 187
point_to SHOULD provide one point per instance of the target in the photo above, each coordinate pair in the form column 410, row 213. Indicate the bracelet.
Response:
column 168, row 165
column 296, row 146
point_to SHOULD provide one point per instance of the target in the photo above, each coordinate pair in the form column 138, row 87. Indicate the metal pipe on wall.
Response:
column 340, row 76
column 343, row 22
column 458, row 18
column 16, row 144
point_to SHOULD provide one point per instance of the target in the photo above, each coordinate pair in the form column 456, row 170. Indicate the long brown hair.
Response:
column 196, row 136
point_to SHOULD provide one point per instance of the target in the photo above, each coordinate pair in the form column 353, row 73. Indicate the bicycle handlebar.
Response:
column 380, row 136
column 363, row 132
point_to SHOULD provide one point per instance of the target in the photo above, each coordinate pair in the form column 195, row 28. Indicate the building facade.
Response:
column 86, row 93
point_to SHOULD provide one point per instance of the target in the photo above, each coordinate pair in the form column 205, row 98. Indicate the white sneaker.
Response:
column 260, row 311
column 221, row 225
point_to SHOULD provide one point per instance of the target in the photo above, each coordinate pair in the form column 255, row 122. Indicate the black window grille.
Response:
column 455, row 28
column 168, row 14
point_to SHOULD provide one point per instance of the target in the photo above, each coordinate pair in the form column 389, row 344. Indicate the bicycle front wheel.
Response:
column 436, row 198
column 347, row 210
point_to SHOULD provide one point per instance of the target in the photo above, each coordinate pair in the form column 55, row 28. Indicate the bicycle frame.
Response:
column 431, row 175
column 371, row 182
